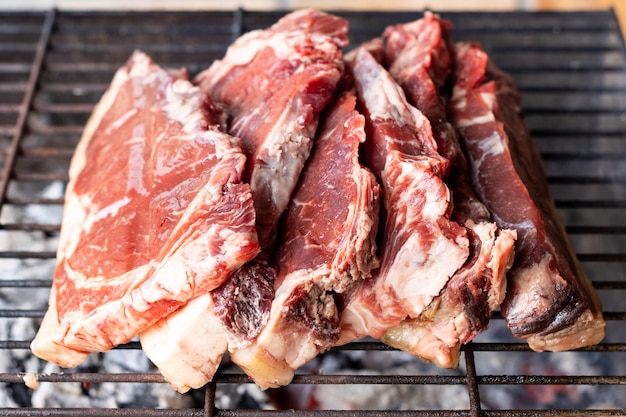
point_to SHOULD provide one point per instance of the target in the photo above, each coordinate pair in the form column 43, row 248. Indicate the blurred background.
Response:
column 618, row 5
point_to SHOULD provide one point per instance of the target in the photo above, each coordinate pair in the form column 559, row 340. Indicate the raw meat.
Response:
column 550, row 302
column 155, row 214
column 187, row 346
column 328, row 244
column 274, row 83
column 418, row 55
column 418, row 234
column 243, row 302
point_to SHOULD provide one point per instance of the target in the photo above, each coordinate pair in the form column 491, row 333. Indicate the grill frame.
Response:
column 56, row 30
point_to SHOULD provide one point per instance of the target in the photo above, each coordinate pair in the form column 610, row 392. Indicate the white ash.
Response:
column 559, row 364
column 375, row 396
column 249, row 396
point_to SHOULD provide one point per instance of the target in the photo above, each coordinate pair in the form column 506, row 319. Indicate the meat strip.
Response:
column 328, row 244
column 549, row 302
column 156, row 214
column 274, row 83
column 418, row 234
column 419, row 59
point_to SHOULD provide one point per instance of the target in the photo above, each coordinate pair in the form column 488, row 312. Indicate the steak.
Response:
column 274, row 83
column 156, row 214
column 418, row 234
column 549, row 302
column 327, row 245
column 419, row 59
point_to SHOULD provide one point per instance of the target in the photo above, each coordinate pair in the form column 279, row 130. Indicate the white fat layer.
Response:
column 485, row 118
column 491, row 145
column 418, row 275
column 359, row 319
column 489, row 99
column 188, row 345
column 183, row 101
column 536, row 281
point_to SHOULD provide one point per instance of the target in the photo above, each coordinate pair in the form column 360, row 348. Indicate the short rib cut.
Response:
column 274, row 83
column 419, row 59
column 327, row 245
column 418, row 233
column 550, row 301
column 156, row 214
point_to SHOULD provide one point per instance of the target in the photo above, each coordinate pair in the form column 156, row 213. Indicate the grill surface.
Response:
column 570, row 67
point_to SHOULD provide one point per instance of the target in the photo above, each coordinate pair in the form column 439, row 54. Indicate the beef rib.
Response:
column 418, row 234
column 156, row 214
column 419, row 59
column 274, row 83
column 327, row 245
column 550, row 302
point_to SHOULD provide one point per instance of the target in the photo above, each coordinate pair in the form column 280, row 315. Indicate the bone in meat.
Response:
column 418, row 56
column 549, row 302
column 418, row 234
column 328, row 244
column 273, row 84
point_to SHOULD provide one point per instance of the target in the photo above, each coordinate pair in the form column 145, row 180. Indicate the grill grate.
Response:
column 570, row 67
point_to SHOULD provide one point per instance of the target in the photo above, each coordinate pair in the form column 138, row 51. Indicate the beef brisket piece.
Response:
column 155, row 214
column 274, row 83
column 327, row 245
column 549, row 302
column 419, row 59
column 418, row 234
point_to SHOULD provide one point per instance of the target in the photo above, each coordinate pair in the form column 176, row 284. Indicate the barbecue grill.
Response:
column 571, row 70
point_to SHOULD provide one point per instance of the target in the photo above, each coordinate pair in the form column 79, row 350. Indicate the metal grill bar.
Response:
column 36, row 68
column 377, row 346
column 130, row 412
column 472, row 383
column 576, row 75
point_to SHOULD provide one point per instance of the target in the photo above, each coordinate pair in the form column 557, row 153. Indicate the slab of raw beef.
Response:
column 274, row 83
column 421, row 248
column 155, row 214
column 549, row 302
column 187, row 346
column 327, row 245
column 419, row 59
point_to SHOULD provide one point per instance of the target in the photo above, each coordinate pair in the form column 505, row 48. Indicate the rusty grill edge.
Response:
column 57, row 29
